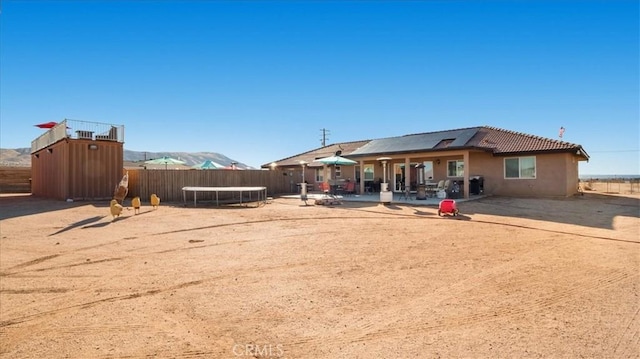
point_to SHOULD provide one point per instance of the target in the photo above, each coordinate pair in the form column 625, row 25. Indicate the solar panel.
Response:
column 418, row 142
column 463, row 137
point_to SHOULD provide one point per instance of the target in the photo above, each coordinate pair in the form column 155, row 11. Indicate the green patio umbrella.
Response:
column 166, row 160
column 336, row 161
column 208, row 165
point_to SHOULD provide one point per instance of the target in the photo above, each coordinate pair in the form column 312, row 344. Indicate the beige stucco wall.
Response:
column 573, row 174
column 556, row 173
column 556, row 176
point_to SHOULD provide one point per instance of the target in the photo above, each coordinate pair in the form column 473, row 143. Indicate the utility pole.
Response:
column 324, row 139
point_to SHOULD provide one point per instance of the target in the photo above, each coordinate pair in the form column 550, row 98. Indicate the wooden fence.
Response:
column 15, row 179
column 167, row 184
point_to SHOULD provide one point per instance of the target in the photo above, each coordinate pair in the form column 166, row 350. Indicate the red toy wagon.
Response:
column 447, row 206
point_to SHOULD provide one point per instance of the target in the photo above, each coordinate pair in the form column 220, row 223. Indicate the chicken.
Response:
column 135, row 203
column 116, row 208
column 155, row 201
column 122, row 188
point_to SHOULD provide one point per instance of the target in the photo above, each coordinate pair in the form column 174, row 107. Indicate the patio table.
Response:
column 430, row 188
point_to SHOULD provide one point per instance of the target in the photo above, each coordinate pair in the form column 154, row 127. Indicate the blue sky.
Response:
column 257, row 81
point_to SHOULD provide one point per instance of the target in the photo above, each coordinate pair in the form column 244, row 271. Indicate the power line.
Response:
column 324, row 138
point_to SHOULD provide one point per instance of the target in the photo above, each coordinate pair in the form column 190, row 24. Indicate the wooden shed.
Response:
column 77, row 160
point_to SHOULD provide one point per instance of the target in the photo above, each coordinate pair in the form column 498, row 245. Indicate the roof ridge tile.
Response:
column 531, row 136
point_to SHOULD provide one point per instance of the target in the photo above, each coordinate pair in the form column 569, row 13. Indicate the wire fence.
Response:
column 611, row 185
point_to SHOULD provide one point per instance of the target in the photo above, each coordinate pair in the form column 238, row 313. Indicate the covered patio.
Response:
column 398, row 198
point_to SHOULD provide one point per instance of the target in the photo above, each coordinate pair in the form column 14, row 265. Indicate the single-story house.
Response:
column 482, row 159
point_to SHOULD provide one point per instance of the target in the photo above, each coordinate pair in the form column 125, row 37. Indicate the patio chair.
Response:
column 349, row 188
column 447, row 188
column 324, row 187
column 328, row 198
column 440, row 189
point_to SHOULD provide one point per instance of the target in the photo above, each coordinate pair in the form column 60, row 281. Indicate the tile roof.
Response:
column 309, row 156
column 485, row 138
column 492, row 139
column 501, row 141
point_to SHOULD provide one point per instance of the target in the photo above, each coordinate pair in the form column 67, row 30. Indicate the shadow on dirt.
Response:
column 25, row 204
column 590, row 210
column 83, row 223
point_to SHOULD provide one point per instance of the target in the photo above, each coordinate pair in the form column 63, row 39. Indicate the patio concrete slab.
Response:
column 398, row 198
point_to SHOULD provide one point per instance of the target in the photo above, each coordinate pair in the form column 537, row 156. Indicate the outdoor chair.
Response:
column 112, row 135
column 324, row 187
column 349, row 188
column 440, row 189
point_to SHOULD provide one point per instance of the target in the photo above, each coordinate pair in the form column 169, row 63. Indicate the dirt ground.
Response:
column 508, row 278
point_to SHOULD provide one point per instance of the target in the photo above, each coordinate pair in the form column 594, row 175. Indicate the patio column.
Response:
column 465, row 159
column 407, row 174
column 361, row 184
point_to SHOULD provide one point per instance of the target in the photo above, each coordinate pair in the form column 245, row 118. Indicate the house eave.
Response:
column 423, row 151
column 579, row 152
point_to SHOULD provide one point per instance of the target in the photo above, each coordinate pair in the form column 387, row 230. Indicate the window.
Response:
column 520, row 167
column 368, row 172
column 319, row 175
column 455, row 168
column 428, row 171
column 338, row 172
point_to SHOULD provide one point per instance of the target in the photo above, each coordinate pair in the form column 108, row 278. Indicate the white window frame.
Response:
column 370, row 173
column 319, row 175
column 459, row 173
column 427, row 173
column 338, row 171
column 520, row 169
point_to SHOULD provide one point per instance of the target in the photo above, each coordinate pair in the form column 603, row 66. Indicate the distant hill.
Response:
column 190, row 158
column 21, row 157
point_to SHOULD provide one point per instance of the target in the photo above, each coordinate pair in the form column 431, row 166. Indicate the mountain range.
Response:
column 21, row 157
